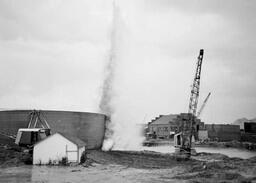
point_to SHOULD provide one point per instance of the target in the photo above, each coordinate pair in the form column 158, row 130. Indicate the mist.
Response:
column 121, row 133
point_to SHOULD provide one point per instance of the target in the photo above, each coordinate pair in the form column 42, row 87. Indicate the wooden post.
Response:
column 77, row 153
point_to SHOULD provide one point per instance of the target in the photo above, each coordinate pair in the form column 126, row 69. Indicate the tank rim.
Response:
column 43, row 110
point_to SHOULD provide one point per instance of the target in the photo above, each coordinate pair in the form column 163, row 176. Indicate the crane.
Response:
column 35, row 117
column 183, row 139
column 38, row 129
column 196, row 85
column 203, row 105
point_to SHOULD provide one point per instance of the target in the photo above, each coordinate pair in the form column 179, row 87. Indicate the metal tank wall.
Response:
column 89, row 127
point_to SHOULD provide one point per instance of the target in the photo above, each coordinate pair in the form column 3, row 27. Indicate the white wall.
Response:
column 203, row 134
column 54, row 148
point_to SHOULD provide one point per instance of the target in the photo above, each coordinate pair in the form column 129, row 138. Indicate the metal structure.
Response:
column 202, row 107
column 196, row 85
column 38, row 129
column 36, row 117
column 183, row 140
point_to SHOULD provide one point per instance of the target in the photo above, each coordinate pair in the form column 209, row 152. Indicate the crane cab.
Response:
column 29, row 136
column 178, row 141
column 183, row 148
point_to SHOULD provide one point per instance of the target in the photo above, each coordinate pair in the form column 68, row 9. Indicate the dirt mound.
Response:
column 136, row 159
column 210, row 156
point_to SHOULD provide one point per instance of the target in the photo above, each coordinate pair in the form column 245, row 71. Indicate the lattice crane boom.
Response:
column 183, row 139
column 203, row 105
column 196, row 85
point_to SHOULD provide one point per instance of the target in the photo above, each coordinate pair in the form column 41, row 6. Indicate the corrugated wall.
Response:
column 223, row 132
column 90, row 127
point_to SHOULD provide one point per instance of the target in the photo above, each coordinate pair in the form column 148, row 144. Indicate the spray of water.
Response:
column 120, row 133
column 106, row 105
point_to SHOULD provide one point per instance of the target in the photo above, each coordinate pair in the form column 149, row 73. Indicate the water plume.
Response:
column 121, row 133
column 106, row 105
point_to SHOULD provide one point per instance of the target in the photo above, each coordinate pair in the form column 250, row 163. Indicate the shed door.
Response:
column 72, row 154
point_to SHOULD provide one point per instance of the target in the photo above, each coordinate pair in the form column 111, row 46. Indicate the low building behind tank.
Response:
column 89, row 127
column 249, row 132
column 223, row 132
column 250, row 127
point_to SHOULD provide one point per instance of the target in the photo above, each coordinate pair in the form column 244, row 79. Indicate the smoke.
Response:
column 120, row 132
column 106, row 105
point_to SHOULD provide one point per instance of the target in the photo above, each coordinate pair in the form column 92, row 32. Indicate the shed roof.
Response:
column 165, row 119
column 76, row 140
column 71, row 138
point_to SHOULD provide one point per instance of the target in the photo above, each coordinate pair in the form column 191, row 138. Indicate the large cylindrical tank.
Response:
column 89, row 127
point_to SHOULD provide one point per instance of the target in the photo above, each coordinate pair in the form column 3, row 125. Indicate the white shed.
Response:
column 57, row 146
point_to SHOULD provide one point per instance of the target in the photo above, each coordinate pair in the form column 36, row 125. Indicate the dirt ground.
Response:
column 13, row 156
column 130, row 166
column 204, row 167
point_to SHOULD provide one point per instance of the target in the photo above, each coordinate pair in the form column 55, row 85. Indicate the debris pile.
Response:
column 14, row 156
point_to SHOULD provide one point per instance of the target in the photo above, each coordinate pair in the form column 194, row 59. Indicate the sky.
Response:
column 54, row 55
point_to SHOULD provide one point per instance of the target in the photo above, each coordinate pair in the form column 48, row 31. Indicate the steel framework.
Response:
column 188, row 125
column 196, row 85
column 202, row 107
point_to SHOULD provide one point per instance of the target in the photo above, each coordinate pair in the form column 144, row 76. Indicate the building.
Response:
column 165, row 126
column 162, row 126
column 56, row 147
column 250, row 127
column 241, row 122
column 87, row 126
column 223, row 132
column 249, row 132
